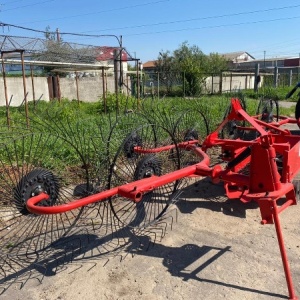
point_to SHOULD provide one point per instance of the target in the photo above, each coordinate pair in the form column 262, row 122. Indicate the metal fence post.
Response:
column 291, row 78
column 256, row 82
column 275, row 77
column 221, row 83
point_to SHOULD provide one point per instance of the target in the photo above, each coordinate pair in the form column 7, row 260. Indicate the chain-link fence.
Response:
column 158, row 84
column 281, row 77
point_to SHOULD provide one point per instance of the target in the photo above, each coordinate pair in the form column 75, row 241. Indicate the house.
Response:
column 234, row 58
column 149, row 66
column 105, row 57
column 268, row 64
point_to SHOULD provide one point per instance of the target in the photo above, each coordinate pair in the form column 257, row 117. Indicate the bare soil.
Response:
column 216, row 249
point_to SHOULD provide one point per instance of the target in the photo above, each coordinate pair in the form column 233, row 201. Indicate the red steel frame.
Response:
column 265, row 183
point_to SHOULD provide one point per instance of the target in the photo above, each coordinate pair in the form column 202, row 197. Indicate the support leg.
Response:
column 284, row 258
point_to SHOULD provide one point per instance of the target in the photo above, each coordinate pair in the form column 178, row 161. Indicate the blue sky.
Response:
column 269, row 28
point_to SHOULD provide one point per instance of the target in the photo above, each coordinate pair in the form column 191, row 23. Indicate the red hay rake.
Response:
column 260, row 162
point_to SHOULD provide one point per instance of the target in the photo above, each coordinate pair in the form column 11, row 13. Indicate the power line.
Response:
column 100, row 12
column 213, row 26
column 63, row 33
column 179, row 21
column 202, row 18
column 27, row 5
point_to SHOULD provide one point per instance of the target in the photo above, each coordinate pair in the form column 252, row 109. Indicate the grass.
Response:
column 78, row 142
column 85, row 131
column 271, row 93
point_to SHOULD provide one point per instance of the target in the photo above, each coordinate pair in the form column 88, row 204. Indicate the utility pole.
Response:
column 57, row 35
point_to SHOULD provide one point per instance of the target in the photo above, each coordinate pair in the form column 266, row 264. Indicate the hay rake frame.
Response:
column 260, row 169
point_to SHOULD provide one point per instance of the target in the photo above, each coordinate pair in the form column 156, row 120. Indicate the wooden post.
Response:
column 58, row 88
column 24, row 88
column 77, row 86
column 127, row 85
column 32, row 85
column 103, row 90
column 106, row 87
column 5, row 91
column 221, row 83
column 116, row 74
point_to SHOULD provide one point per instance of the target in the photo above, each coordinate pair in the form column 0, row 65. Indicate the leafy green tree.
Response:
column 216, row 63
column 191, row 61
column 165, row 67
column 192, row 64
column 49, row 35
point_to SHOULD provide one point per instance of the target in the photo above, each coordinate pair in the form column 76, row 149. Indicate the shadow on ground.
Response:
column 185, row 262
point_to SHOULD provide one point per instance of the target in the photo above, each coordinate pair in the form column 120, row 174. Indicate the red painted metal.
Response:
column 272, row 160
column 288, row 276
column 39, row 210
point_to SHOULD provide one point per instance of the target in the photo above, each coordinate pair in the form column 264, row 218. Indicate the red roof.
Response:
column 107, row 53
column 149, row 64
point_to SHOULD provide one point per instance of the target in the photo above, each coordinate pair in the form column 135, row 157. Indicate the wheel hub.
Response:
column 190, row 135
column 148, row 166
column 132, row 141
column 34, row 183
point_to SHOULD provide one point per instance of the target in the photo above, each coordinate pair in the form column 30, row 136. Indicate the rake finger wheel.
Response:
column 31, row 164
column 142, row 155
column 191, row 128
column 268, row 110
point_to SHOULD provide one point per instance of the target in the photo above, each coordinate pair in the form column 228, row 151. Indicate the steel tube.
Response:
column 284, row 258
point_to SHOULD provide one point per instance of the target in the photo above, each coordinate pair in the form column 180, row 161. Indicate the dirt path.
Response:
column 217, row 249
column 287, row 104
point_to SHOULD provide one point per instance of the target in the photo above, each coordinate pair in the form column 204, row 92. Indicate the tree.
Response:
column 50, row 35
column 216, row 63
column 165, row 67
column 192, row 63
